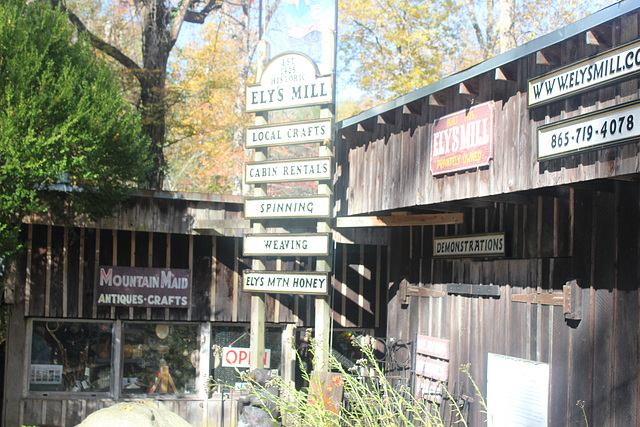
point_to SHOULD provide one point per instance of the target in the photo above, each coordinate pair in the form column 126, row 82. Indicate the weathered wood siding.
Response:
column 587, row 234
column 56, row 276
column 383, row 162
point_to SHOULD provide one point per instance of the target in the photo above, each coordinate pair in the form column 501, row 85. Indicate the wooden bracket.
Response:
column 408, row 290
column 399, row 220
column 568, row 299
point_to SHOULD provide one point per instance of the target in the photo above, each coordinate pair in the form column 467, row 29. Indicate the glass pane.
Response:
column 70, row 356
column 230, row 353
column 159, row 358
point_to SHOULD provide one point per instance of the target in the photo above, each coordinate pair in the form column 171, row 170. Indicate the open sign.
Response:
column 239, row 357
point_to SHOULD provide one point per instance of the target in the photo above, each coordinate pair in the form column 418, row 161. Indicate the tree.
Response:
column 209, row 77
column 203, row 75
column 508, row 24
column 160, row 24
column 69, row 142
column 396, row 46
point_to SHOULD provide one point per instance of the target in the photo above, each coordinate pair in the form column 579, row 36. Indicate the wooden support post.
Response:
column 258, row 301
column 322, row 303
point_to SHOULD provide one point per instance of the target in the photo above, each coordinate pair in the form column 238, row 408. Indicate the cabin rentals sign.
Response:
column 289, row 80
column 462, row 140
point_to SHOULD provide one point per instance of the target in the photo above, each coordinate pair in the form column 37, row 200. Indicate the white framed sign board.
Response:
column 286, row 244
column 605, row 68
column 598, row 129
column 290, row 282
column 309, row 169
column 305, row 132
column 517, row 392
column 287, row 207
column 289, row 80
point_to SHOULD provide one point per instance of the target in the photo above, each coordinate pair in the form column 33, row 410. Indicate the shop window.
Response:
column 70, row 356
column 159, row 358
column 230, row 354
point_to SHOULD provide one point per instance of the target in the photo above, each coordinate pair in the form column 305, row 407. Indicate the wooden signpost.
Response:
column 289, row 80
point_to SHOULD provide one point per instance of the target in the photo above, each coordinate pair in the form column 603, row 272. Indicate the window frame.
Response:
column 156, row 396
column 67, row 394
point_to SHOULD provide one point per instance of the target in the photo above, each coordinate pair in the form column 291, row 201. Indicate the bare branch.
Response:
column 100, row 44
column 199, row 17
column 476, row 26
column 270, row 11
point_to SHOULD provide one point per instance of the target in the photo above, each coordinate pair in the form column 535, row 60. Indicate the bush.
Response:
column 369, row 399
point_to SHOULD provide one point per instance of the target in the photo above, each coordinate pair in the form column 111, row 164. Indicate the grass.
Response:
column 369, row 400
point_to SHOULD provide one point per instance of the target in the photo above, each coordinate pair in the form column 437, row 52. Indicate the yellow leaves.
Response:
column 205, row 77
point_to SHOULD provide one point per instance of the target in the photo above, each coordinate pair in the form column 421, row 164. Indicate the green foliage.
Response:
column 68, row 141
column 371, row 399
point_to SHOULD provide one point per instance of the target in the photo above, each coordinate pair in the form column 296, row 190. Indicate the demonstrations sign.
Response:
column 290, row 282
column 290, row 80
column 286, row 244
column 462, row 140
column 478, row 245
column 288, row 133
column 311, row 169
column 605, row 68
column 143, row 287
column 287, row 207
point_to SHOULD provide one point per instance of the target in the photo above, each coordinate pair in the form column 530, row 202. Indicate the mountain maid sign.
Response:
column 143, row 287
column 289, row 80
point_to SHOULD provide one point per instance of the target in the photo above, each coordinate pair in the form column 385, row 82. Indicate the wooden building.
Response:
column 488, row 219
column 71, row 352
column 560, row 186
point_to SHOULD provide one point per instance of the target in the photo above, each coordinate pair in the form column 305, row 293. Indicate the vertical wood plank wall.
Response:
column 57, row 280
column 385, row 164
column 591, row 235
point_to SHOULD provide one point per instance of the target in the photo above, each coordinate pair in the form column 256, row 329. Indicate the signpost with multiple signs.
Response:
column 289, row 80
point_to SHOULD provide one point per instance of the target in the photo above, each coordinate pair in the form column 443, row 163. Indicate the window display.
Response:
column 159, row 358
column 230, row 354
column 70, row 356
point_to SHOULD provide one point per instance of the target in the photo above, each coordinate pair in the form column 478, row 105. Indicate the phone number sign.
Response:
column 610, row 126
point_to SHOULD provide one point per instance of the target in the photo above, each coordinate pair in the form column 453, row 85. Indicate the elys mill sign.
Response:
column 289, row 80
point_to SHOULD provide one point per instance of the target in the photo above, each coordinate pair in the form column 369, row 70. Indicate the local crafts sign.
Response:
column 288, row 133
column 143, row 287
column 462, row 140
column 289, row 80
column 292, row 282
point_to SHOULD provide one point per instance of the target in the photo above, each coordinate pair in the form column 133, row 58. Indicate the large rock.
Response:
column 133, row 414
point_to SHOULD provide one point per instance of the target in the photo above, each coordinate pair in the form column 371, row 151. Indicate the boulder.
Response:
column 133, row 414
